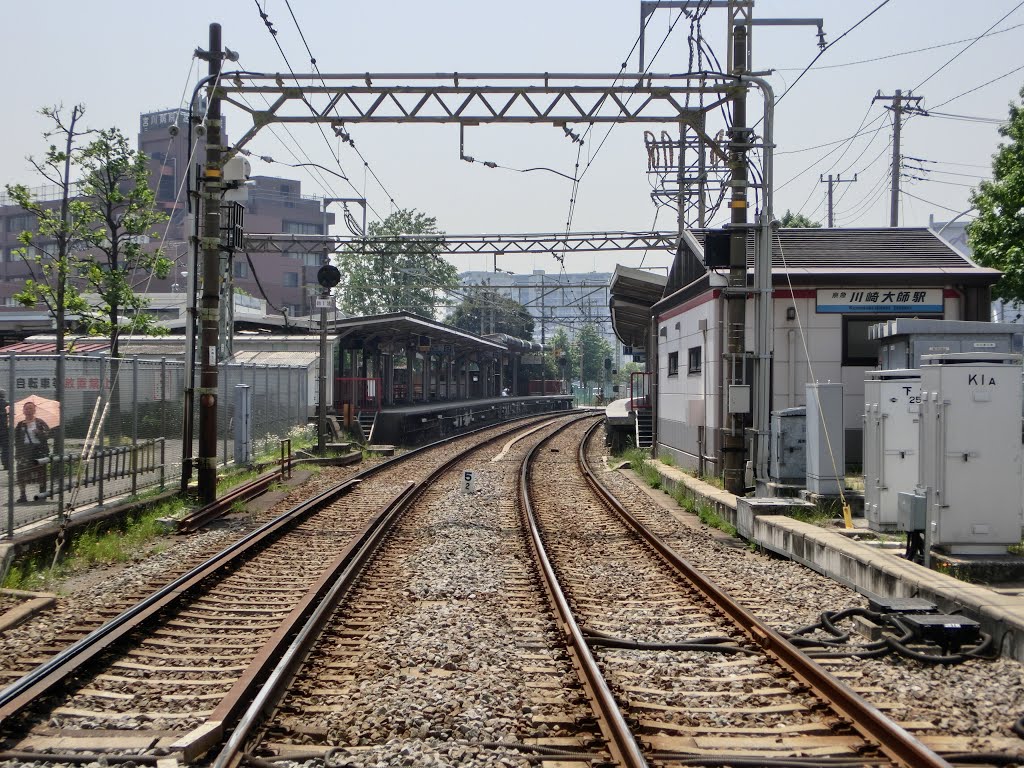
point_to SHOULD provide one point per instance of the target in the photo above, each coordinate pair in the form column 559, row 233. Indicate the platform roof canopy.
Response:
column 397, row 330
column 633, row 292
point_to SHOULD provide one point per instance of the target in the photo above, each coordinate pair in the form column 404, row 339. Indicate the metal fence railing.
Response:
column 122, row 425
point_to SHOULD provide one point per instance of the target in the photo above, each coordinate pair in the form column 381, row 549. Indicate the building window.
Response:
column 291, row 280
column 302, row 228
column 693, row 360
column 858, row 349
column 673, row 363
column 241, row 269
column 21, row 223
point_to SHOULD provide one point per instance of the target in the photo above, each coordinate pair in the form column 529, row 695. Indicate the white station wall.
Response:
column 688, row 401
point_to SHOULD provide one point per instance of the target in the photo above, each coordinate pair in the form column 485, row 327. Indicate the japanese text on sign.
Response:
column 880, row 300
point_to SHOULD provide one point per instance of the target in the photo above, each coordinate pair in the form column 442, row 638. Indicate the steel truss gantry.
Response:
column 470, row 244
column 471, row 98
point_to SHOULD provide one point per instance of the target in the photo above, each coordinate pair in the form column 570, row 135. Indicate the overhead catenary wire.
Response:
column 273, row 34
column 350, row 141
column 828, row 47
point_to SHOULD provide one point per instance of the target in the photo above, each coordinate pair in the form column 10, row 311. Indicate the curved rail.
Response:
column 893, row 740
column 623, row 747
column 66, row 663
column 359, row 553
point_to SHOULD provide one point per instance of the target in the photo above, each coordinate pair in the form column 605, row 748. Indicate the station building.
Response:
column 829, row 287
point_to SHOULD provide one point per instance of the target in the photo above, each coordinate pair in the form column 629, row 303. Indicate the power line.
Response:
column 902, row 53
column 830, row 45
column 967, row 47
column 979, row 87
column 273, row 34
column 947, row 162
column 943, row 207
column 826, row 144
column 350, row 141
column 830, row 152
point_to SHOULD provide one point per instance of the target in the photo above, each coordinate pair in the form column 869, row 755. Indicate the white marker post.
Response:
column 469, row 481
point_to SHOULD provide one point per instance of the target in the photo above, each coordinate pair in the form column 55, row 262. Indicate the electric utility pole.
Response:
column 212, row 186
column 733, row 444
column 899, row 104
column 831, row 181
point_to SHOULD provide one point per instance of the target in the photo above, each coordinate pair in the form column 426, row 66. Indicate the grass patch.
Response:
column 714, row 480
column 817, row 516
column 709, row 517
column 668, row 460
column 640, row 461
column 138, row 535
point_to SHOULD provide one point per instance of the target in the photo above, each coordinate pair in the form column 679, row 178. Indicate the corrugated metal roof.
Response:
column 50, row 347
column 274, row 357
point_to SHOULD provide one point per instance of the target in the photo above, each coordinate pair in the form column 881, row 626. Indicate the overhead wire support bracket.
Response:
column 474, row 98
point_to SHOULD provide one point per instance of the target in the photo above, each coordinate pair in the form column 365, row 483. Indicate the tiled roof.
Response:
column 858, row 249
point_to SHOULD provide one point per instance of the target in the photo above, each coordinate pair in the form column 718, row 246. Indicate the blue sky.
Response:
column 121, row 58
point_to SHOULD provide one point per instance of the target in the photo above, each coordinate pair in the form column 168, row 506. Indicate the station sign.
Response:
column 879, row 300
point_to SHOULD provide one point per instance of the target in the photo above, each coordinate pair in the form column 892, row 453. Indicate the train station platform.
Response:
column 410, row 425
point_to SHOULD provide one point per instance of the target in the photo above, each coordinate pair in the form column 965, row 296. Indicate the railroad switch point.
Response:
column 947, row 632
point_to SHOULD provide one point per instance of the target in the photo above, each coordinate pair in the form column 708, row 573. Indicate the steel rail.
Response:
column 359, row 553
column 874, row 726
column 623, row 747
column 292, row 632
column 66, row 663
column 246, row 491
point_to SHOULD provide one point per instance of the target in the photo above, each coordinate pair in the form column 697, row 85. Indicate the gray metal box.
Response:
column 912, row 512
column 970, row 451
column 904, row 341
column 789, row 449
column 891, row 405
column 826, row 439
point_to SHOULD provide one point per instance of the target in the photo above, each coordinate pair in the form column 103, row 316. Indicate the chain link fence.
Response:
column 122, row 425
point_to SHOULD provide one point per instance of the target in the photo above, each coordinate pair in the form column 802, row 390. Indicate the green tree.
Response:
column 589, row 352
column 115, row 186
column 997, row 235
column 559, row 347
column 388, row 273
column 797, row 220
column 484, row 310
column 51, row 246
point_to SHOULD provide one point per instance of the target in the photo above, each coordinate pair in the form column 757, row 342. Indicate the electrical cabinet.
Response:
column 789, row 453
column 826, row 439
column 891, row 408
column 904, row 341
column 970, row 451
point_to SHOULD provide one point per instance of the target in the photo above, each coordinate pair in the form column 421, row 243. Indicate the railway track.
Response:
column 699, row 680
column 513, row 626
column 173, row 672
